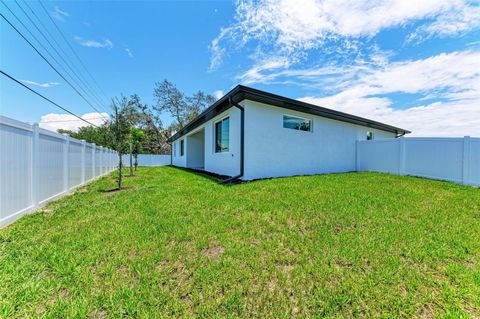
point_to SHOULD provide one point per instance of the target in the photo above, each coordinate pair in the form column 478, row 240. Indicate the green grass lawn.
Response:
column 179, row 244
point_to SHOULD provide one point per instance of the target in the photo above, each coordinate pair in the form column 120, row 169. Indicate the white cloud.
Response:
column 105, row 43
column 461, row 20
column 218, row 94
column 55, row 121
column 129, row 53
column 257, row 73
column 292, row 27
column 59, row 14
column 451, row 81
column 43, row 85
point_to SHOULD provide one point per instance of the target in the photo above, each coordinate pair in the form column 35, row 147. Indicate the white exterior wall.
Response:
column 273, row 151
column 226, row 163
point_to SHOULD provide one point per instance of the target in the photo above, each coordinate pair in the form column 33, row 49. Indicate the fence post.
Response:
column 401, row 154
column 357, row 155
column 94, row 150
column 466, row 160
column 65, row 161
column 34, row 165
column 82, row 165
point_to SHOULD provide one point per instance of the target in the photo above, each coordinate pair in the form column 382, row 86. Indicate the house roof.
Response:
column 240, row 93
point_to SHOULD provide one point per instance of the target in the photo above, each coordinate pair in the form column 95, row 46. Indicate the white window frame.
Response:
column 215, row 134
column 298, row 117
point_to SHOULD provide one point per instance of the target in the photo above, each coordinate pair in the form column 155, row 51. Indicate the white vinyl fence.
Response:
column 148, row 160
column 37, row 165
column 451, row 159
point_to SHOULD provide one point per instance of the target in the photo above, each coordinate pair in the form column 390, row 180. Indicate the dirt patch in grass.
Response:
column 213, row 252
column 98, row 314
column 425, row 313
column 82, row 190
column 47, row 211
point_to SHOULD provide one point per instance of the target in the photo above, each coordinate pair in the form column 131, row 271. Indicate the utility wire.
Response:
column 48, row 62
column 73, row 50
column 68, row 62
column 59, row 121
column 56, row 51
column 46, row 98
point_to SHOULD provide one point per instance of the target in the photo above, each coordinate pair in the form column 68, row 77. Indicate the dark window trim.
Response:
column 215, row 134
column 298, row 117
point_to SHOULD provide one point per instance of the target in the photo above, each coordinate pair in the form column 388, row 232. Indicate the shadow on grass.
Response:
column 116, row 189
column 216, row 178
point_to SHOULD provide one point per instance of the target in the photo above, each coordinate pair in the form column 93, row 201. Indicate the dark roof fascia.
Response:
column 240, row 93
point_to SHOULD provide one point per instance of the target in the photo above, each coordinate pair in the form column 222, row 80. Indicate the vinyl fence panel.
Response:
column 15, row 167
column 474, row 162
column 451, row 159
column 148, row 160
column 50, row 165
column 37, row 165
column 88, row 162
column 74, row 163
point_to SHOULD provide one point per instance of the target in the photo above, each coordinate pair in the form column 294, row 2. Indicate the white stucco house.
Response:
column 251, row 134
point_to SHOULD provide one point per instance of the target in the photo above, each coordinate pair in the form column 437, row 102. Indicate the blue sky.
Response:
column 407, row 63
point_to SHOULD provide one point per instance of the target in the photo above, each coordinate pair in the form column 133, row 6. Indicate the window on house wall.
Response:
column 297, row 123
column 369, row 135
column 182, row 147
column 174, row 148
column 222, row 135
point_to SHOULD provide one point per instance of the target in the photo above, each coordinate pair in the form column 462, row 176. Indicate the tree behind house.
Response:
column 181, row 107
column 155, row 135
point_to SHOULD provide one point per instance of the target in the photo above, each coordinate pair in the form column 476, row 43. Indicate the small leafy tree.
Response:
column 119, row 128
column 136, row 139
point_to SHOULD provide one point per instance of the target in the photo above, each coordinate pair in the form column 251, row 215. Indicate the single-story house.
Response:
column 251, row 134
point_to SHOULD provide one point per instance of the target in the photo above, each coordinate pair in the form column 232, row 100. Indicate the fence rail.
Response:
column 451, row 159
column 37, row 165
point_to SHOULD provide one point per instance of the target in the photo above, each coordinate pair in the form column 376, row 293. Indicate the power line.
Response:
column 46, row 98
column 54, row 49
column 69, row 62
column 46, row 60
column 73, row 50
column 59, row 121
